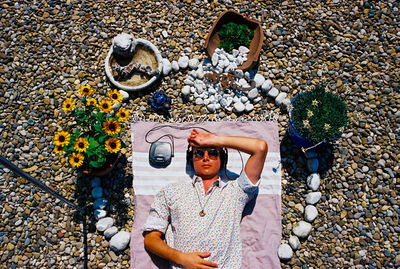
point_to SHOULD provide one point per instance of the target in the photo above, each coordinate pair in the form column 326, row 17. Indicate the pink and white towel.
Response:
column 261, row 224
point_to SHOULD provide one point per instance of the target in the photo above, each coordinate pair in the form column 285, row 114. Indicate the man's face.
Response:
column 206, row 162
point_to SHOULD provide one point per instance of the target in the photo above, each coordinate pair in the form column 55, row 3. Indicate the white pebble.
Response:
column 313, row 198
column 166, row 64
column 99, row 214
column 215, row 59
column 193, row 63
column 279, row 99
column 302, row 229
column 124, row 94
column 120, row 241
column 183, row 62
column 294, row 242
column 310, row 213
column 199, row 101
column 104, row 223
column 243, row 49
column 110, row 232
column 259, row 80
column 252, row 93
column 238, row 107
column 273, row 92
column 175, row 66
column 313, row 181
column 267, row 85
column 249, row 107
column 285, row 252
column 211, row 108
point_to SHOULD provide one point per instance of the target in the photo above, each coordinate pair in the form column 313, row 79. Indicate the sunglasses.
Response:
column 212, row 153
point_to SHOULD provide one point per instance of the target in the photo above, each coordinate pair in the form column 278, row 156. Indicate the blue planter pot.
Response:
column 297, row 138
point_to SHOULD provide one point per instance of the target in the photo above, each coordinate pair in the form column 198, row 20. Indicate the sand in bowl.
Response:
column 142, row 55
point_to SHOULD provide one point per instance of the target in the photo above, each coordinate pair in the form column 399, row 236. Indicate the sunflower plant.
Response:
column 319, row 115
column 92, row 134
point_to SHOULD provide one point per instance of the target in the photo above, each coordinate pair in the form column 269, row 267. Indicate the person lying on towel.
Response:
column 205, row 213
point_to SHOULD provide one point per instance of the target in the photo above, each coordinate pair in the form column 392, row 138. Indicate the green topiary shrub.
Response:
column 233, row 35
column 319, row 115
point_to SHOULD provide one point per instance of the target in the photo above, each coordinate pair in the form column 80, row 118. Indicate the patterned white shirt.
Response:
column 217, row 232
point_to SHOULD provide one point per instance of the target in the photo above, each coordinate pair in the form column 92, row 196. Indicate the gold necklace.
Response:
column 202, row 213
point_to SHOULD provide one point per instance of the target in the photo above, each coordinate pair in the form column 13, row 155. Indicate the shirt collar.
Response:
column 219, row 182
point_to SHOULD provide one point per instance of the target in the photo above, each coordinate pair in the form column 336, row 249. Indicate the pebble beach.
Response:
column 49, row 49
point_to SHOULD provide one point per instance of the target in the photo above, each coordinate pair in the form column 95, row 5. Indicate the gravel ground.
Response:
column 49, row 48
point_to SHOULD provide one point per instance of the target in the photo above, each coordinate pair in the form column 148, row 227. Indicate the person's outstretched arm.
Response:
column 192, row 260
column 256, row 148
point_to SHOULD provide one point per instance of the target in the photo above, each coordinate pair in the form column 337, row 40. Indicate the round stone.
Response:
column 302, row 229
column 285, row 252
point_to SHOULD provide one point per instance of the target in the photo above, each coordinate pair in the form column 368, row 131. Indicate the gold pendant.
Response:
column 201, row 213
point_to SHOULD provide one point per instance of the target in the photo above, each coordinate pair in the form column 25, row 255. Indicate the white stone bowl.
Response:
column 157, row 54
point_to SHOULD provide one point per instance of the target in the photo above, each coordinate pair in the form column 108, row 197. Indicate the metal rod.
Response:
column 23, row 174
column 82, row 211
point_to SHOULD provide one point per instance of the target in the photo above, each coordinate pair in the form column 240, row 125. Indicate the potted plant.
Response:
column 232, row 29
column 91, row 139
column 317, row 116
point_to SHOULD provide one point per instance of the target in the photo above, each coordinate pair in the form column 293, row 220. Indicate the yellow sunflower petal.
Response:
column 76, row 159
column 91, row 102
column 85, row 90
column 122, row 114
column 115, row 96
column 68, row 105
column 111, row 127
column 113, row 145
column 81, row 144
column 105, row 106
column 61, row 138
column 59, row 149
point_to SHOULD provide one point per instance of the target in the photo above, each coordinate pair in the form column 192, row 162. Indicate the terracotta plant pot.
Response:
column 102, row 171
column 212, row 40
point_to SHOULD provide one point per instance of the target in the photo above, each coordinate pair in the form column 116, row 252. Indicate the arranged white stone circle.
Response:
column 302, row 229
column 118, row 240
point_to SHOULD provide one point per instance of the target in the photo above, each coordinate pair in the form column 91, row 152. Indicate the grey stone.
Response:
column 183, row 62
column 211, row 108
column 239, row 107
column 302, row 229
column 310, row 213
column 110, row 232
column 175, row 66
column 294, row 242
column 104, row 223
column 273, row 92
column 193, row 63
column 279, row 99
column 285, row 252
column 166, row 66
column 313, row 181
column 99, row 214
column 313, row 197
column 120, row 241
column 259, row 80
column 249, row 107
column 267, row 85
column 252, row 93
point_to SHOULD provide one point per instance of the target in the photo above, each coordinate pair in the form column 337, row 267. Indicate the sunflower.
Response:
column 122, row 114
column 68, row 105
column 105, row 106
column 113, row 145
column 111, row 127
column 59, row 149
column 76, row 159
column 91, row 102
column 81, row 144
column 86, row 90
column 115, row 96
column 61, row 138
